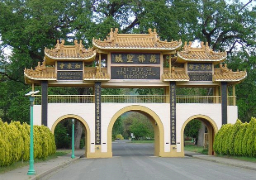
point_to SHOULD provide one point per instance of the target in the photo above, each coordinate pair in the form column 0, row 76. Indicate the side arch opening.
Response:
column 211, row 126
column 85, row 125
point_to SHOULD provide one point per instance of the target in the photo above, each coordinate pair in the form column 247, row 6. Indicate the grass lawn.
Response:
column 20, row 164
column 198, row 149
column 201, row 150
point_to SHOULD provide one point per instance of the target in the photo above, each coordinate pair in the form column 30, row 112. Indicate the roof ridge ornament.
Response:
column 202, row 53
column 150, row 41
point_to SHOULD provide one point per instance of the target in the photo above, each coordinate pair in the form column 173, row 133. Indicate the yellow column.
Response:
column 167, row 94
column 33, row 87
column 100, row 62
column 217, row 94
column 228, row 103
column 234, row 95
column 170, row 64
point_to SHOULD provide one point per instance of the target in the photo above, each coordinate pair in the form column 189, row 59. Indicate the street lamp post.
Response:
column 73, row 139
column 31, row 170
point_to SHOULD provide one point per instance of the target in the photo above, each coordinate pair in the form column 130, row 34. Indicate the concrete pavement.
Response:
column 44, row 168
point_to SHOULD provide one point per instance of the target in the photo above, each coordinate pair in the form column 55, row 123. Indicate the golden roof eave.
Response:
column 149, row 41
column 200, row 54
column 223, row 74
column 176, row 74
column 72, row 58
column 75, row 52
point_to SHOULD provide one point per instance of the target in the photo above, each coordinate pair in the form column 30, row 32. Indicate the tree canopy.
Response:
column 27, row 26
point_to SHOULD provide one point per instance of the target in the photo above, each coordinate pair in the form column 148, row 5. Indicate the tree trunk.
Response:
column 78, row 134
column 200, row 139
column 78, row 125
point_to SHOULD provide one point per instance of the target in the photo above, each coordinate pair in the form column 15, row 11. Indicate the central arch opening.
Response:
column 140, row 119
column 133, row 134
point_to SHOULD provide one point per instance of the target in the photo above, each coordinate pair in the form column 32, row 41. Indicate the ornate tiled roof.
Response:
column 92, row 74
column 41, row 72
column 225, row 74
column 68, row 52
column 204, row 53
column 149, row 41
column 177, row 74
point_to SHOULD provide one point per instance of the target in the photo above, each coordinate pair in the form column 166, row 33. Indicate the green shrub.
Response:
column 5, row 150
column 219, row 143
column 239, row 139
column 246, row 137
column 15, row 142
column 233, row 136
column 119, row 136
column 251, row 138
column 225, row 139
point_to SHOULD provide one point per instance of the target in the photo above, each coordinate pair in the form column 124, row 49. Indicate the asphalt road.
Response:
column 136, row 162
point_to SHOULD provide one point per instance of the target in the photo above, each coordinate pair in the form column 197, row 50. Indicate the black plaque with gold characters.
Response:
column 70, row 75
column 133, row 72
column 69, row 70
column 173, row 112
column 97, row 88
column 131, row 58
column 200, row 71
column 200, row 76
column 69, row 66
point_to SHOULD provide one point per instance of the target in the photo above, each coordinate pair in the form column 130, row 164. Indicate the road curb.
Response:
column 226, row 163
column 41, row 175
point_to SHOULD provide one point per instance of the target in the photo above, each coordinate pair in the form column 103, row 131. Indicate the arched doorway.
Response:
column 211, row 129
column 152, row 116
column 87, row 130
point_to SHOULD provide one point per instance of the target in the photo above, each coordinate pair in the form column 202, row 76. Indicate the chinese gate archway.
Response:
column 136, row 61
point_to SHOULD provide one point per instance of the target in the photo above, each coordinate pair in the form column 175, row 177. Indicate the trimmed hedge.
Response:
column 15, row 142
column 237, row 139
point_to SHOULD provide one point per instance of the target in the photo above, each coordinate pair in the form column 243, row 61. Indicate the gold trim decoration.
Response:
column 225, row 74
column 76, row 51
column 177, row 74
column 150, row 41
column 99, row 74
column 203, row 53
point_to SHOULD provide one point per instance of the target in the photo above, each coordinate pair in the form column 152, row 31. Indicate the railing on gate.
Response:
column 197, row 99
column 66, row 99
column 134, row 99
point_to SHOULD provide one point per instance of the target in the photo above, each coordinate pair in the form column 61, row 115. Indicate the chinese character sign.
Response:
column 133, row 72
column 67, row 70
column 63, row 65
column 97, row 92
column 200, row 71
column 140, row 58
column 173, row 112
